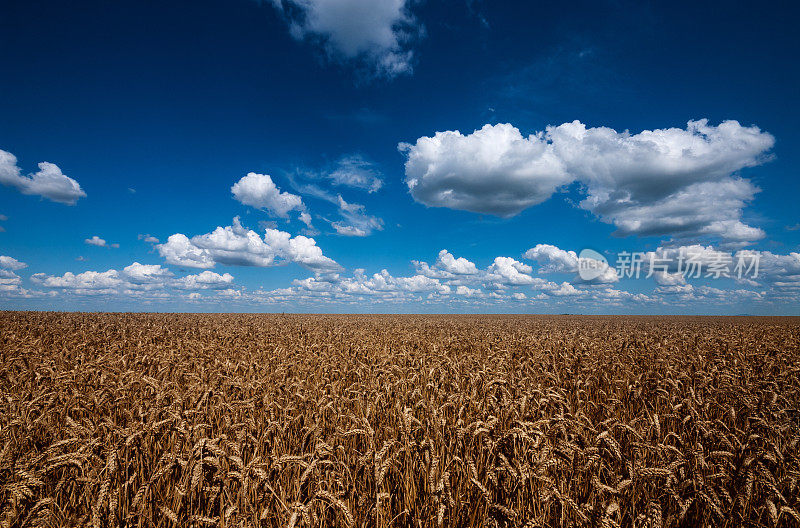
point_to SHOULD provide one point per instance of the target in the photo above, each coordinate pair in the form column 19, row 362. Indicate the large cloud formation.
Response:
column 49, row 182
column 377, row 32
column 239, row 246
column 679, row 182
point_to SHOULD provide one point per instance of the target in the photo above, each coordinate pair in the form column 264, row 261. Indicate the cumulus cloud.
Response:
column 506, row 270
column 673, row 265
column 11, row 263
column 552, row 259
column 383, row 285
column 9, row 279
column 99, row 242
column 679, row 182
column 377, row 33
column 779, row 271
column 259, row 191
column 88, row 280
column 494, row 170
column 446, row 266
column 456, row 266
column 49, row 182
column 467, row 291
column 146, row 273
column 665, row 278
column 239, row 246
column 135, row 279
column 150, row 239
column 206, row 280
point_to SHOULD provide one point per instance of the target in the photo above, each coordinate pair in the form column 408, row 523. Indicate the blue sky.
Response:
column 397, row 156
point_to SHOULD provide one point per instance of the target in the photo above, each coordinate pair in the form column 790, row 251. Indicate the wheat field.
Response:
column 377, row 421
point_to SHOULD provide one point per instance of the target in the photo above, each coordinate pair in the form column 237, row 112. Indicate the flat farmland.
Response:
column 418, row 421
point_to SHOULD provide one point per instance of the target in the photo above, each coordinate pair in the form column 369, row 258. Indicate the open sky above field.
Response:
column 399, row 156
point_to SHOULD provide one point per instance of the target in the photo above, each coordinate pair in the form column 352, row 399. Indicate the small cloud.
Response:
column 131, row 190
column 150, row 239
column 99, row 242
column 793, row 227
column 348, row 230
column 81, row 258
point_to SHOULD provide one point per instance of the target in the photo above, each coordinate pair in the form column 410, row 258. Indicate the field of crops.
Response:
column 376, row 421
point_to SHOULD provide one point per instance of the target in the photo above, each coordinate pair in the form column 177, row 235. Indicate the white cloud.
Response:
column 88, row 280
column 9, row 279
column 665, row 278
column 146, row 273
column 552, row 259
column 711, row 209
column 180, row 251
column 11, row 263
column 468, row 292
column 99, row 242
column 494, row 170
column 355, row 171
column 236, row 245
column 305, row 217
column 134, row 280
column 757, row 268
column 506, row 270
column 356, row 222
column 11, row 286
column 204, row 281
column 348, row 230
column 566, row 289
column 49, row 182
column 456, row 266
column 382, row 285
column 446, row 266
column 300, row 249
column 375, row 32
column 678, row 182
column 354, row 219
column 150, row 239
column 780, row 271
column 259, row 191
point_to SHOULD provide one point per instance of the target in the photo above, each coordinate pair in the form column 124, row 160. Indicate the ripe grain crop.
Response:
column 418, row 421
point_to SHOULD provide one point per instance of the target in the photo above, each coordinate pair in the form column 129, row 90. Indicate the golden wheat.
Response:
column 425, row 421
